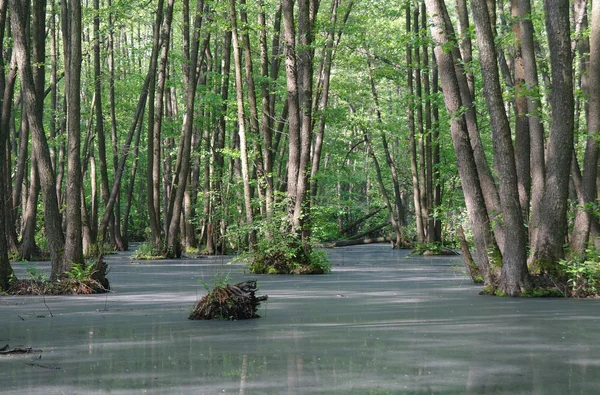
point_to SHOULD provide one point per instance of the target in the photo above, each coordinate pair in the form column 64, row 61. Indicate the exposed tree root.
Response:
column 229, row 302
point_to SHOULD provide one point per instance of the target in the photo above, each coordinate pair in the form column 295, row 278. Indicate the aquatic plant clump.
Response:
column 229, row 302
column 80, row 280
column 67, row 286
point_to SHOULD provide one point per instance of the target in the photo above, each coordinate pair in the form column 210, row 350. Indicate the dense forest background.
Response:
column 273, row 126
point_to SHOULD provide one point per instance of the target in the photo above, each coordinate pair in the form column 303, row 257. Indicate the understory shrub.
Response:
column 279, row 250
column 582, row 275
column 81, row 279
column 147, row 251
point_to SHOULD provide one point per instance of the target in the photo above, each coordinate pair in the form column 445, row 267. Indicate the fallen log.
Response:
column 17, row 351
column 229, row 302
column 359, row 221
column 353, row 242
column 370, row 231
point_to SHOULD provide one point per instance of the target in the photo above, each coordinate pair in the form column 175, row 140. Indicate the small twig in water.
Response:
column 43, row 366
column 45, row 304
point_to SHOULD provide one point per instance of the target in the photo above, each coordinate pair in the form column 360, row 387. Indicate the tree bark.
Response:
column 581, row 229
column 514, row 278
column 522, row 138
column 71, row 12
column 241, row 123
column 153, row 165
column 6, row 271
column 552, row 221
column 460, row 137
column 54, row 233
column 183, row 161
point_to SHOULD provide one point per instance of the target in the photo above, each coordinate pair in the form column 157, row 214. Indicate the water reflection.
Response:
column 381, row 330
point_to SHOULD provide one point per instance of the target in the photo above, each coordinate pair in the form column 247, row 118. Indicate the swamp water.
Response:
column 380, row 323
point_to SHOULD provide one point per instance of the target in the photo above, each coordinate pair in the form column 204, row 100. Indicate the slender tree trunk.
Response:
column 437, row 191
column 101, row 138
column 183, row 161
column 29, row 248
column 293, row 163
column 466, row 47
column 131, row 185
column 397, row 211
column 411, row 128
column 71, row 12
column 242, row 125
column 153, row 166
column 581, row 229
column 165, row 34
column 423, row 215
column 534, row 109
column 522, row 138
column 6, row 271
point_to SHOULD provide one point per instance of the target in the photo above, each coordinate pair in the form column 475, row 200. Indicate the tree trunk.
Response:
column 534, row 109
column 183, row 161
column 29, row 248
column 514, row 278
column 411, row 130
column 581, row 229
column 552, row 220
column 522, row 138
column 237, row 60
column 72, row 56
column 54, row 233
column 153, row 141
column 466, row 48
column 6, row 271
column 460, row 137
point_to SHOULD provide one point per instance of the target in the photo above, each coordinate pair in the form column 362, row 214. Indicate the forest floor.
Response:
column 380, row 323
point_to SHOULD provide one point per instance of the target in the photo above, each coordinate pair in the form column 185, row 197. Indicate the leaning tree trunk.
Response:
column 462, row 146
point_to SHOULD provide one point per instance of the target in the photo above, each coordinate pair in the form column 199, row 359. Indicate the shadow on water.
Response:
column 380, row 323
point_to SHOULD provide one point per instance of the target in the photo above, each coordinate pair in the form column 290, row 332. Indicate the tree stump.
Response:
column 229, row 302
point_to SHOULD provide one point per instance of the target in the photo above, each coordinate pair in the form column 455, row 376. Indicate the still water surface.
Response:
column 380, row 323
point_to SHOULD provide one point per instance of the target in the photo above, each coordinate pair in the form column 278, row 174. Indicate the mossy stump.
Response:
column 229, row 302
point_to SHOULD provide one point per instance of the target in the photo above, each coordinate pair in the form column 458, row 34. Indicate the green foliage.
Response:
column 220, row 280
column 35, row 274
column 583, row 276
column 147, row 251
column 80, row 272
column 428, row 248
column 279, row 250
column 478, row 279
column 542, row 293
